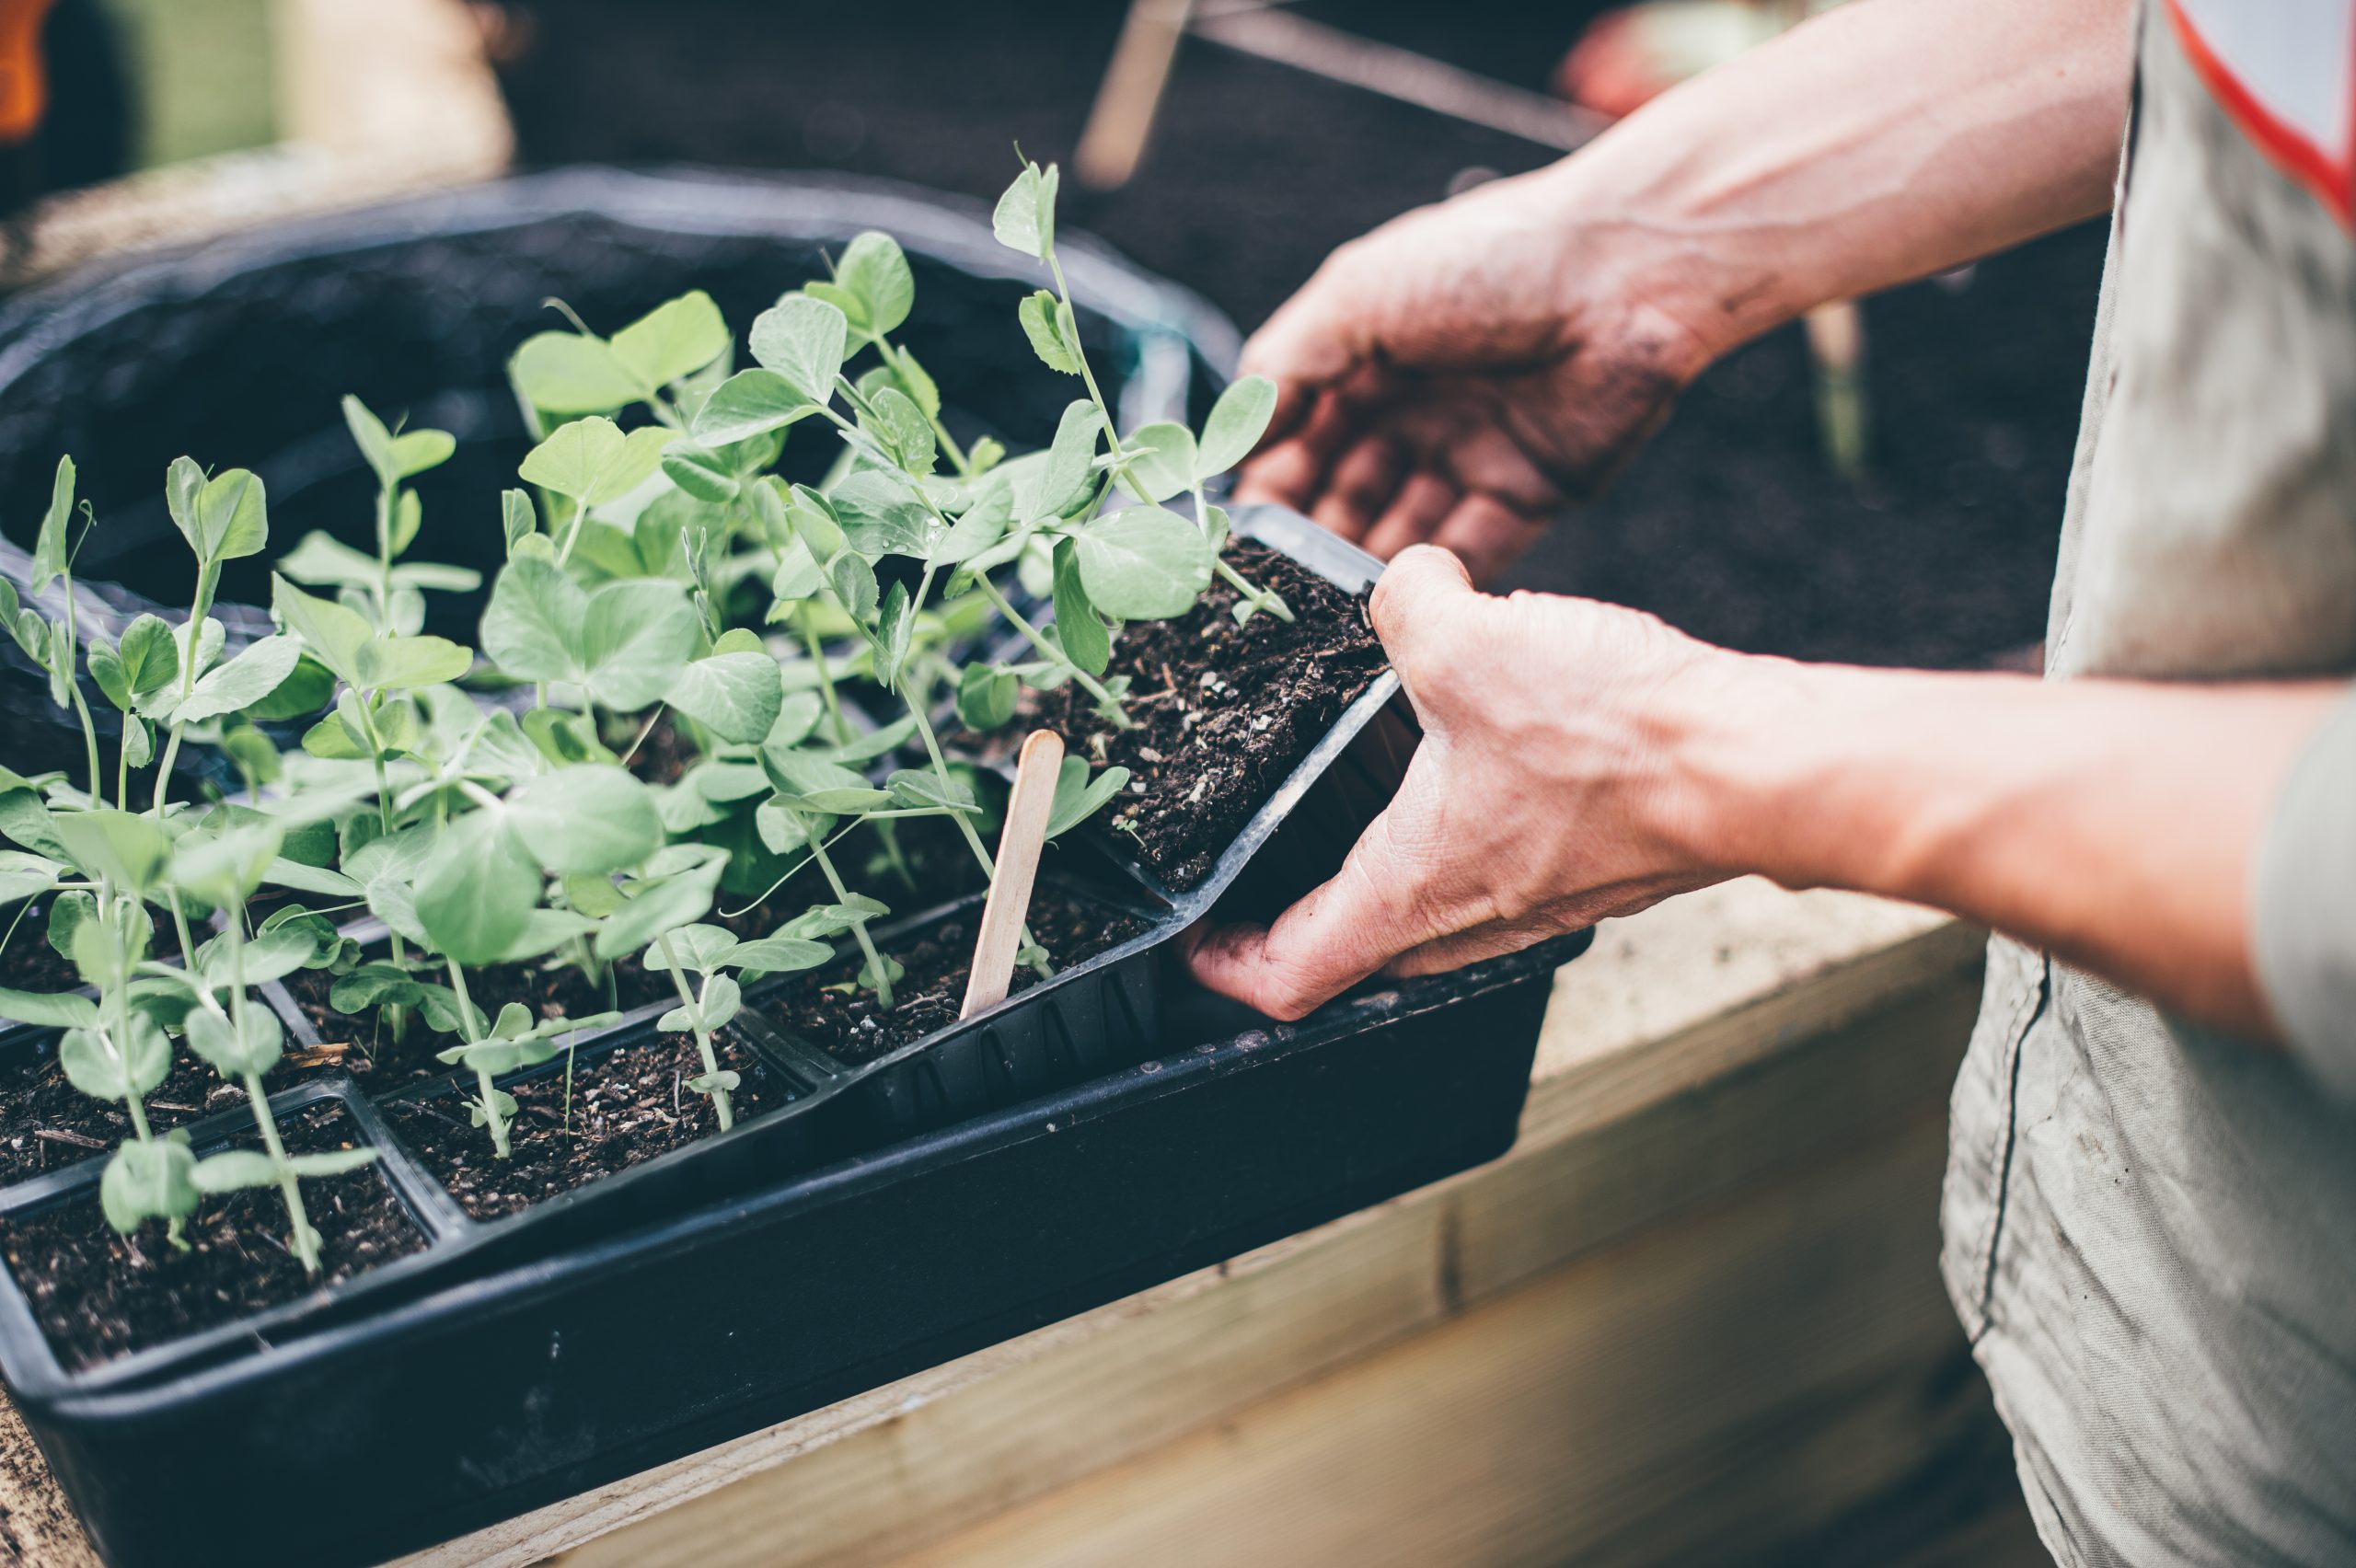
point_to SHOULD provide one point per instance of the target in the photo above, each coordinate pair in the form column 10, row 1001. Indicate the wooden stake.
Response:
column 1018, row 844
column 1131, row 95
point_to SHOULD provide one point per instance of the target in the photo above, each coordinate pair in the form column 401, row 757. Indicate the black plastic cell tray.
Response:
column 388, row 1431
column 1089, row 1020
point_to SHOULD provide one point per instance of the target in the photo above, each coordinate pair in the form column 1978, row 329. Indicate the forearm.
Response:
column 2115, row 824
column 1877, row 143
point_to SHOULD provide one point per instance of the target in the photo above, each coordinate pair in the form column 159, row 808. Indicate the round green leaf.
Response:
column 587, row 820
column 1143, row 563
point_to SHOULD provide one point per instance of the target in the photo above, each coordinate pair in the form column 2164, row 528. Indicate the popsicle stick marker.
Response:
column 1019, row 843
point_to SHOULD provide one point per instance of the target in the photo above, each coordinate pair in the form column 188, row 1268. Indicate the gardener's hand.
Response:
column 1538, row 803
column 1461, row 374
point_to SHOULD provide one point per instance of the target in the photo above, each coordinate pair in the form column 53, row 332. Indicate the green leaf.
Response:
column 747, row 404
column 1079, row 797
column 1025, row 218
column 1079, row 628
column 477, row 890
column 802, row 339
column 922, row 789
column 61, row 662
column 1054, row 336
column 226, row 518
column 26, row 625
column 330, row 1162
column 662, row 905
column 302, row 878
column 625, row 643
column 544, row 931
column 894, row 628
column 405, row 663
column 94, row 1066
column 1069, row 473
column 517, row 521
column 736, row 695
column 152, row 1180
column 810, row 784
column 235, row 1170
column 822, row 920
column 565, row 373
column 27, row 876
column 212, row 1037
column 375, row 443
column 634, row 641
column 258, row 670
column 674, row 341
column 702, row 473
column 27, row 821
column 811, row 518
column 903, row 427
column 321, row 557
column 592, row 462
column 587, row 820
column 50, row 561
column 224, row 867
column 531, row 626
column 1163, row 460
column 1237, row 422
column 409, row 515
column 128, row 850
column 988, row 696
column 416, row 450
column 882, row 517
column 1143, row 563
column 331, row 632
column 854, row 583
column 67, row 916
column 777, row 955
column 151, row 656
column 874, row 273
column 55, row 1009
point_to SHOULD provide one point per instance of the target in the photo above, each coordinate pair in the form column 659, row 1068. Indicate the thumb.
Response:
column 1417, row 605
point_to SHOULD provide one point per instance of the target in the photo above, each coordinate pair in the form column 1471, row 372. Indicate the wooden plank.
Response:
column 37, row 1525
column 1655, row 1402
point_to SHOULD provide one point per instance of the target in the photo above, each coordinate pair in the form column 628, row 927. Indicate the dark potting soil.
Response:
column 45, row 1121
column 830, row 1012
column 99, row 1295
column 1222, row 712
column 629, row 1106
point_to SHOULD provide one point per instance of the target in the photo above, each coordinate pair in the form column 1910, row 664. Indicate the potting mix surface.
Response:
column 627, row 1106
column 827, row 1011
column 1221, row 714
column 99, row 1295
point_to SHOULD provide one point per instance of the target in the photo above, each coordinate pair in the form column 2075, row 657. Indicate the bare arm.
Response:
column 1460, row 373
column 1582, row 760
column 2113, row 824
column 1878, row 143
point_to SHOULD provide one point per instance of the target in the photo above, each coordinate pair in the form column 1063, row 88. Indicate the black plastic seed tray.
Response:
column 384, row 1432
